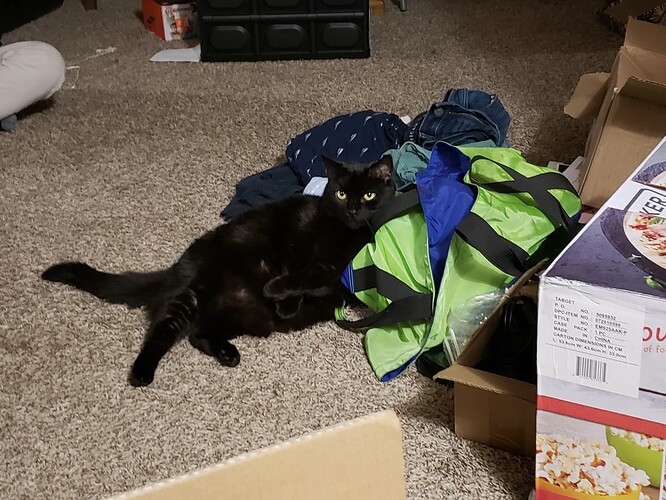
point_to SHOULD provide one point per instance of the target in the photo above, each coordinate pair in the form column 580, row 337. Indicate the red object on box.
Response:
column 152, row 17
column 169, row 21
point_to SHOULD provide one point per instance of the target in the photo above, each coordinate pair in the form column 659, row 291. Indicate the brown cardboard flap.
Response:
column 496, row 420
column 648, row 91
column 489, row 382
column 633, row 128
column 588, row 96
column 645, row 35
column 630, row 121
column 357, row 460
column 640, row 64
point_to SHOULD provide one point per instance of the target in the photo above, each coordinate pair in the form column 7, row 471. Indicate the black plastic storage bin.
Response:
column 255, row 30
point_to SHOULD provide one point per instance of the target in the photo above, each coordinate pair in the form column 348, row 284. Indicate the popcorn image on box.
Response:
column 581, row 459
column 588, row 467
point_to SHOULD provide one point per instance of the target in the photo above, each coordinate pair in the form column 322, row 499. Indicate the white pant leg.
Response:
column 29, row 72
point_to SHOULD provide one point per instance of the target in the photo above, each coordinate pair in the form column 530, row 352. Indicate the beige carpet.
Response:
column 132, row 160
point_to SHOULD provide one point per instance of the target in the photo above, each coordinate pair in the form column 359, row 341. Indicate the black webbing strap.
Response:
column 406, row 304
column 386, row 284
column 538, row 187
column 502, row 253
column 400, row 205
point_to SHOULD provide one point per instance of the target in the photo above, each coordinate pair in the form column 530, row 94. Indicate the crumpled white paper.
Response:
column 188, row 54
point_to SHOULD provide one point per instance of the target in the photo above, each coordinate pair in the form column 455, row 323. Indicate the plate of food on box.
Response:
column 647, row 233
column 654, row 175
column 641, row 239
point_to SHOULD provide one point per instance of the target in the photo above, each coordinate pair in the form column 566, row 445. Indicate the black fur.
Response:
column 275, row 268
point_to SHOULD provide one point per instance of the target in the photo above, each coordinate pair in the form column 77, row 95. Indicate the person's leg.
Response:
column 29, row 72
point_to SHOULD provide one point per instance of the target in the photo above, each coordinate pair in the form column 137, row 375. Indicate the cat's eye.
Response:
column 369, row 196
column 341, row 195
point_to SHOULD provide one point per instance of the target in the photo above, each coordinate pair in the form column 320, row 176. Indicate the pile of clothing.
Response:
column 462, row 117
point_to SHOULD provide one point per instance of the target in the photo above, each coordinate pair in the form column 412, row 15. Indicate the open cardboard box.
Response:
column 629, row 110
column 357, row 460
column 489, row 408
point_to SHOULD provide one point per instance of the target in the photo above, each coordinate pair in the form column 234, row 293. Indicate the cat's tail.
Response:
column 132, row 289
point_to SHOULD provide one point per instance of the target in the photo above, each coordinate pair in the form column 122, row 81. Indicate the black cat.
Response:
column 274, row 268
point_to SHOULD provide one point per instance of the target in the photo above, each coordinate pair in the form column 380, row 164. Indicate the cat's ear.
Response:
column 334, row 169
column 383, row 169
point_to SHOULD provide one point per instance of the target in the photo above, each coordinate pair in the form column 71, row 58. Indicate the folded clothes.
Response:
column 356, row 137
column 408, row 161
column 270, row 185
column 411, row 159
column 363, row 137
column 462, row 117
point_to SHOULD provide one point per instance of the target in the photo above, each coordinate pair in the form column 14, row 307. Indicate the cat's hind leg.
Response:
column 166, row 329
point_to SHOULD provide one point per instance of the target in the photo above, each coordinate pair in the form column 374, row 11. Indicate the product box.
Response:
column 169, row 21
column 601, row 404
column 629, row 110
column 489, row 408
column 357, row 460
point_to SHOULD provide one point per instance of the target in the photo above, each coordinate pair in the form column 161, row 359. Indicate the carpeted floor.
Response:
column 133, row 159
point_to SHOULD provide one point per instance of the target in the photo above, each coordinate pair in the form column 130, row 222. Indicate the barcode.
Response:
column 591, row 369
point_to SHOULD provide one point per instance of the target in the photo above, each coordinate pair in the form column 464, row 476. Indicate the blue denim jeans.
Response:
column 462, row 117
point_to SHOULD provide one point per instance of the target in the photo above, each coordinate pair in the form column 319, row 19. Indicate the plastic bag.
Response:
column 465, row 318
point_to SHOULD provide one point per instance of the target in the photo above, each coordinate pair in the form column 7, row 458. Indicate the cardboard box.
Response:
column 630, row 110
column 601, row 419
column 490, row 408
column 357, row 460
column 169, row 21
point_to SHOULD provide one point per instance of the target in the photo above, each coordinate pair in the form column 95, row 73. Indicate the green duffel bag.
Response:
column 470, row 225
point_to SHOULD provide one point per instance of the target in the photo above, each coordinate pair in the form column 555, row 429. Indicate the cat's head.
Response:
column 355, row 191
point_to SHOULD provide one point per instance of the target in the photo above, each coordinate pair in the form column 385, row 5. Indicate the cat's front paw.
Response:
column 229, row 356
column 140, row 375
column 139, row 380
